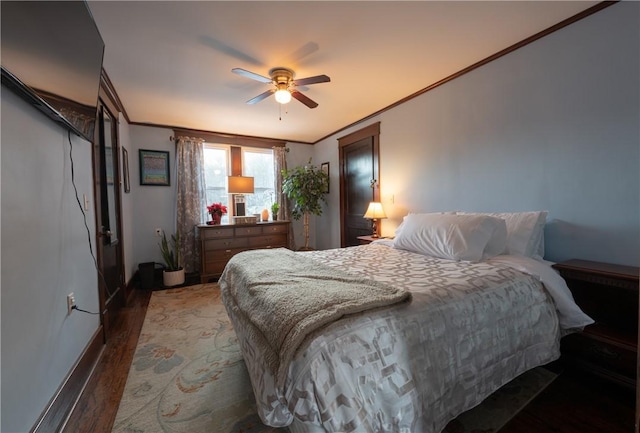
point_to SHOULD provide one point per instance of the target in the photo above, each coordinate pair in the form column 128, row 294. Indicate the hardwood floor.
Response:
column 577, row 403
column 98, row 405
column 574, row 403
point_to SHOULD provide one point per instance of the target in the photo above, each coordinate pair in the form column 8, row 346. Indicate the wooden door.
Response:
column 359, row 181
column 111, row 291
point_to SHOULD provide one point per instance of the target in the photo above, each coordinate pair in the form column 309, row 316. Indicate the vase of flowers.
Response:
column 216, row 210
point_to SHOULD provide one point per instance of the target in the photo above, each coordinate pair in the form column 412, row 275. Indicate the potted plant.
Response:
column 216, row 210
column 173, row 274
column 305, row 186
column 274, row 211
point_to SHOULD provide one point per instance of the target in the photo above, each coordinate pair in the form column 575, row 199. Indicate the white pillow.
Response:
column 497, row 244
column 525, row 232
column 453, row 237
column 399, row 228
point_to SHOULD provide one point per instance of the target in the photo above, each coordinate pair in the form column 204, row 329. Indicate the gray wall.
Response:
column 153, row 206
column 552, row 126
column 45, row 256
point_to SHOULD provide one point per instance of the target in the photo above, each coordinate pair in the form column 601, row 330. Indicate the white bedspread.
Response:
column 470, row 328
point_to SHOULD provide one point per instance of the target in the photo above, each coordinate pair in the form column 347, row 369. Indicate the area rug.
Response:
column 188, row 376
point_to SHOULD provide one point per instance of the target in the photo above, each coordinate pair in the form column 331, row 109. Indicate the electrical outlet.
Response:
column 158, row 232
column 71, row 302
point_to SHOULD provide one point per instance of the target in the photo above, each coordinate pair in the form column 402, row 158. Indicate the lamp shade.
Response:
column 240, row 184
column 375, row 211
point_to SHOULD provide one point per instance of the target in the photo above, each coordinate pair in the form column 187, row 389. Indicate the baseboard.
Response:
column 59, row 408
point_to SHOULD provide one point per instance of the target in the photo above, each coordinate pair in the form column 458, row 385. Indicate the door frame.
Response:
column 372, row 131
column 108, row 306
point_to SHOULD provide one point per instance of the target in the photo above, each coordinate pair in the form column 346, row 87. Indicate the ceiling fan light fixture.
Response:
column 284, row 85
column 283, row 96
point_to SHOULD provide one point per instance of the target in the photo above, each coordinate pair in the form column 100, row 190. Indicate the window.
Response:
column 216, row 167
column 257, row 163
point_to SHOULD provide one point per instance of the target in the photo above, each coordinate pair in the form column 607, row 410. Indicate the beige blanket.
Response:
column 282, row 297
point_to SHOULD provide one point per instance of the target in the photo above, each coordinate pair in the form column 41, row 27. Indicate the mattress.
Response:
column 412, row 367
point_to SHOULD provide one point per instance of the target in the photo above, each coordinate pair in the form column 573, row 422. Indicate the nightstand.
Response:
column 609, row 294
column 365, row 240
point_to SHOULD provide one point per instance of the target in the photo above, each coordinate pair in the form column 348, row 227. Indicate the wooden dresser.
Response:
column 609, row 294
column 220, row 242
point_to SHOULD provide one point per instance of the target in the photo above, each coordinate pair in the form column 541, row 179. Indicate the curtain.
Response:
column 190, row 199
column 284, row 213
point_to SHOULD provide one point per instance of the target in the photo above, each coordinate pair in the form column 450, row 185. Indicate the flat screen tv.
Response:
column 52, row 56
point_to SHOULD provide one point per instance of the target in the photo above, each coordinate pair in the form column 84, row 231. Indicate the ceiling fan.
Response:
column 284, row 86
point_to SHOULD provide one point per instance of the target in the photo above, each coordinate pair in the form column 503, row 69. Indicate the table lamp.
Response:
column 238, row 186
column 374, row 213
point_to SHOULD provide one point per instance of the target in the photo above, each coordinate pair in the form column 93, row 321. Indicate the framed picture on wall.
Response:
column 154, row 167
column 324, row 167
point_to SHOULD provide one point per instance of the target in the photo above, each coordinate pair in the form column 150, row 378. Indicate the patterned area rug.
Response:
column 188, row 375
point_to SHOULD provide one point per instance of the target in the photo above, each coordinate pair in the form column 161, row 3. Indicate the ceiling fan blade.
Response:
column 229, row 50
column 261, row 96
column 304, row 51
column 304, row 99
column 312, row 80
column 251, row 75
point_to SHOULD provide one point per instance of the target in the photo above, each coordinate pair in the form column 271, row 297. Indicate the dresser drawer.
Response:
column 215, row 267
column 225, row 243
column 221, row 255
column 217, row 232
column 600, row 355
column 248, row 231
column 268, row 241
column 276, row 228
column 215, row 261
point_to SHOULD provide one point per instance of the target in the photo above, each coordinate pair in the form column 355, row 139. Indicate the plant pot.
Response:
column 173, row 278
column 216, row 219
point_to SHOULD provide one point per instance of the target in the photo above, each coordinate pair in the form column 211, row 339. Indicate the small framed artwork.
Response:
column 154, row 167
column 324, row 167
column 125, row 170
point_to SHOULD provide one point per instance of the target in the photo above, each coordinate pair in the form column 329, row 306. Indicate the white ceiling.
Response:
column 171, row 62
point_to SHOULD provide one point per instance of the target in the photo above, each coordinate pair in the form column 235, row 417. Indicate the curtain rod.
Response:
column 172, row 138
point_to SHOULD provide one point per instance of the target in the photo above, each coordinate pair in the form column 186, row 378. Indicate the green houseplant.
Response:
column 274, row 211
column 173, row 273
column 305, row 186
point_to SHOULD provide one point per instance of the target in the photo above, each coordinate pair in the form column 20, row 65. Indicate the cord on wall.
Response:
column 84, row 216
column 75, row 307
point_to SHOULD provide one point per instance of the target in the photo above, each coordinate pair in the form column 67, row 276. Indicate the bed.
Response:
column 458, row 325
